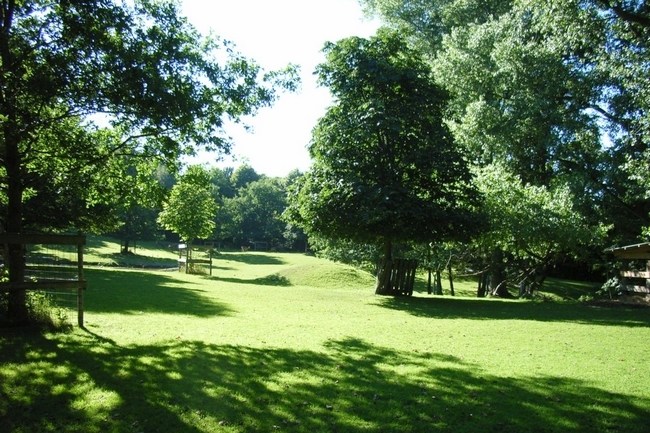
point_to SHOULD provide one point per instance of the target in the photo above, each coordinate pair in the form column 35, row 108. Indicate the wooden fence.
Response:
column 49, row 267
column 636, row 281
column 186, row 259
column 402, row 277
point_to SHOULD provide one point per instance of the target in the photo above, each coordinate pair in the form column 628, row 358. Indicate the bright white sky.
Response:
column 276, row 33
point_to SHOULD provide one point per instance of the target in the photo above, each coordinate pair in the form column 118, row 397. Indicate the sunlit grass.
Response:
column 288, row 342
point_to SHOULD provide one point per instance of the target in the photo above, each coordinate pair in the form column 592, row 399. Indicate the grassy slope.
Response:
column 282, row 342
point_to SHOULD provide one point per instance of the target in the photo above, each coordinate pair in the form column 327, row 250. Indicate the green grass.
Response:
column 287, row 342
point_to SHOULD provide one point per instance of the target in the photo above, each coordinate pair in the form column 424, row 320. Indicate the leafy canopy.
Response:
column 385, row 166
column 87, row 85
column 190, row 209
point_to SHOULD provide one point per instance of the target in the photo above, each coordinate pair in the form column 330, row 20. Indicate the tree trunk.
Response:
column 17, row 306
column 438, row 282
column 384, row 272
column 429, row 291
column 482, row 285
column 451, row 279
column 497, row 275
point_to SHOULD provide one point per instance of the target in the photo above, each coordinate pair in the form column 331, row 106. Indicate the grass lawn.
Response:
column 286, row 342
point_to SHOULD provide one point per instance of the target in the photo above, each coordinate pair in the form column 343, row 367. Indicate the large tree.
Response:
column 86, row 84
column 385, row 166
column 554, row 89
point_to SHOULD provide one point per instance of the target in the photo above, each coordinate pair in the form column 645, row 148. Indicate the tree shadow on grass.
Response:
column 130, row 292
column 133, row 260
column 251, row 258
column 274, row 280
column 494, row 309
column 78, row 383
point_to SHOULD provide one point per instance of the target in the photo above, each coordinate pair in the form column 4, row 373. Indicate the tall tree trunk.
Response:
column 17, row 307
column 126, row 244
column 384, row 272
column 497, row 275
column 429, row 291
column 482, row 285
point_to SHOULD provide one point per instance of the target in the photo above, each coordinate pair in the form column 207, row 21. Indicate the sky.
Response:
column 274, row 34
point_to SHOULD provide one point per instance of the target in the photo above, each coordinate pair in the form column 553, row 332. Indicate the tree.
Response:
column 255, row 212
column 385, row 166
column 243, row 175
column 552, row 89
column 85, row 85
column 190, row 209
column 530, row 226
column 138, row 210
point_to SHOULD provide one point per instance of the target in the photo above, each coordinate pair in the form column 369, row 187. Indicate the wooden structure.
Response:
column 45, row 269
column 635, row 281
column 401, row 280
column 186, row 260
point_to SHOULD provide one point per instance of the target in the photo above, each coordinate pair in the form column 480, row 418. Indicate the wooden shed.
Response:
column 636, row 281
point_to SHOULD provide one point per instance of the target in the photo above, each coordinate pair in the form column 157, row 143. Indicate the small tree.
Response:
column 190, row 209
column 530, row 226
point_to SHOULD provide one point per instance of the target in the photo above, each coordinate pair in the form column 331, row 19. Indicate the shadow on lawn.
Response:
column 130, row 292
column 251, row 258
column 80, row 383
column 494, row 309
column 133, row 260
column 274, row 280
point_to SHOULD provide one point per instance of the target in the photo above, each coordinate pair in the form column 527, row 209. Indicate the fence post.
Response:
column 81, row 288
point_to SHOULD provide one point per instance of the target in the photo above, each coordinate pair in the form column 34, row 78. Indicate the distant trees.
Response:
column 385, row 166
column 254, row 213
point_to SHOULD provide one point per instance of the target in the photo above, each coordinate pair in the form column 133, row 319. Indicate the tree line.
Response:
column 232, row 208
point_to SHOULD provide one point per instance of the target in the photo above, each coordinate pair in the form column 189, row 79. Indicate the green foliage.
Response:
column 43, row 313
column 243, row 175
column 531, row 220
column 190, row 209
column 532, row 226
column 385, row 166
column 551, row 89
column 254, row 214
column 361, row 255
column 91, row 88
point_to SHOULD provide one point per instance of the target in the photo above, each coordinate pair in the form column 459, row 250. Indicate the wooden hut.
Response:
column 634, row 281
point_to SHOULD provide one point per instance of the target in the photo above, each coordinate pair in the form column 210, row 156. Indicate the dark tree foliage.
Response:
column 385, row 166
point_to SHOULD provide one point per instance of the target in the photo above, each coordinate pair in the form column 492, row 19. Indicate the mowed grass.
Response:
column 286, row 342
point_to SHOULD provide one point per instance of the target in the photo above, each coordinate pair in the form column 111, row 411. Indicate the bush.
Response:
column 42, row 312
